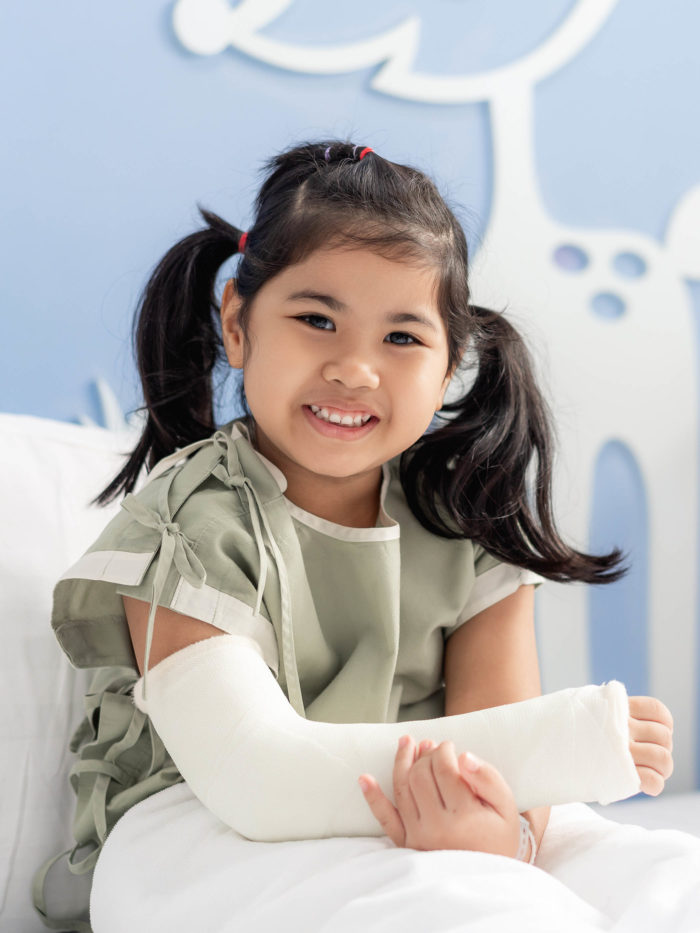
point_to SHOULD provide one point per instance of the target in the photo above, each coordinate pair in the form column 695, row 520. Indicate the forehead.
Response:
column 361, row 275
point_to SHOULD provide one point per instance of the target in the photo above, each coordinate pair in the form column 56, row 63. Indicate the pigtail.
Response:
column 177, row 345
column 487, row 473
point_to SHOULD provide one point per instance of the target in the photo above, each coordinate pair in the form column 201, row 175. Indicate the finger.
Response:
column 652, row 782
column 383, row 809
column 425, row 747
column 449, row 780
column 425, row 791
column 403, row 796
column 649, row 755
column 642, row 730
column 487, row 783
column 650, row 708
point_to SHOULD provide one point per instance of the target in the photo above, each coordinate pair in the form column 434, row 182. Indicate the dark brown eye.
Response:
column 309, row 318
column 403, row 343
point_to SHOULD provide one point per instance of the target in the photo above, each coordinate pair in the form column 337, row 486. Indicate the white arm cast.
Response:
column 273, row 775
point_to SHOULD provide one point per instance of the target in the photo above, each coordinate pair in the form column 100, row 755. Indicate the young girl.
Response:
column 351, row 563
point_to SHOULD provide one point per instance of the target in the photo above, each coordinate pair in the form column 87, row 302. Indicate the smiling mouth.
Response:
column 334, row 417
column 347, row 426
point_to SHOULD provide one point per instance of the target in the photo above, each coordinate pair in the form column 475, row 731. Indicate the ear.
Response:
column 231, row 332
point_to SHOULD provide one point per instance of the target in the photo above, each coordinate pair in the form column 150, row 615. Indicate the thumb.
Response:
column 486, row 783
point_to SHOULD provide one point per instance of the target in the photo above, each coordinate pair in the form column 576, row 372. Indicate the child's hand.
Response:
column 651, row 742
column 445, row 802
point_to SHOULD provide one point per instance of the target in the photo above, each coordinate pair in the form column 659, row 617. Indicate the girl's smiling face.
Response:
column 350, row 332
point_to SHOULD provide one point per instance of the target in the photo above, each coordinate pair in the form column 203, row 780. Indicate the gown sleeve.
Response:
column 183, row 548
column 493, row 581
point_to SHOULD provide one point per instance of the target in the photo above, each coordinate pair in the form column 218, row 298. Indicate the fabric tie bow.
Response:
column 175, row 547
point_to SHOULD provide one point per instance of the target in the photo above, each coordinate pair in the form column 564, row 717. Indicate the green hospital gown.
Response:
column 352, row 621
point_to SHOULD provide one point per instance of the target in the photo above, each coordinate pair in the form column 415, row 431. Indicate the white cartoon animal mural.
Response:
column 610, row 308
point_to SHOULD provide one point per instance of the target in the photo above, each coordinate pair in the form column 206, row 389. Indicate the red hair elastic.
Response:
column 364, row 153
column 242, row 241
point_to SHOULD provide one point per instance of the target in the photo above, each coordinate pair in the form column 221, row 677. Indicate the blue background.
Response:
column 112, row 132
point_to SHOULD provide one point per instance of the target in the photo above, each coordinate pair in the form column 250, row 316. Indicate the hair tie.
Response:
column 242, row 241
column 362, row 154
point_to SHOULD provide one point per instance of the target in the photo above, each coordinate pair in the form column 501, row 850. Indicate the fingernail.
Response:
column 364, row 784
column 425, row 744
column 403, row 741
column 472, row 763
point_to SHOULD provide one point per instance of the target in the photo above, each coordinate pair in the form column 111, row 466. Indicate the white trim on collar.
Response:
column 387, row 530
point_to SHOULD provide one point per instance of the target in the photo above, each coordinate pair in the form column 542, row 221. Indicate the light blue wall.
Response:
column 112, row 132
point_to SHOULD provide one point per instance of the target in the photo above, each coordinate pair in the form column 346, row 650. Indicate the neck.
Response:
column 352, row 501
column 353, row 508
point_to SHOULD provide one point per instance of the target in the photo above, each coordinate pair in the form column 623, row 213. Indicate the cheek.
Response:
column 277, row 371
column 427, row 381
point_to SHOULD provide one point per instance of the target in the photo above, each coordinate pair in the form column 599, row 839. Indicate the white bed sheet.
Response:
column 170, row 865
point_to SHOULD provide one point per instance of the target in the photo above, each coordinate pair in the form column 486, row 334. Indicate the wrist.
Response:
column 527, row 846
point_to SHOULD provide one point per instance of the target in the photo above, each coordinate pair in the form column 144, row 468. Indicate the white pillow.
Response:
column 49, row 471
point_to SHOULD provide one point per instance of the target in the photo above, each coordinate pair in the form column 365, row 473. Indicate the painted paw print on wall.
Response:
column 574, row 260
column 627, row 269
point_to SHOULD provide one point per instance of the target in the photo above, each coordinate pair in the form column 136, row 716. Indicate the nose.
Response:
column 353, row 369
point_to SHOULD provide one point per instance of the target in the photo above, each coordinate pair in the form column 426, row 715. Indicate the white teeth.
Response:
column 347, row 420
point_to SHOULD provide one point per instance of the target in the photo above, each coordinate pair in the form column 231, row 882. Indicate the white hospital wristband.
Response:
column 527, row 841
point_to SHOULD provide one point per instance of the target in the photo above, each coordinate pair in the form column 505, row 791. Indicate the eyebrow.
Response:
column 397, row 317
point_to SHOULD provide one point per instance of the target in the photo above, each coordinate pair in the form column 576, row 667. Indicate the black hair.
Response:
column 485, row 471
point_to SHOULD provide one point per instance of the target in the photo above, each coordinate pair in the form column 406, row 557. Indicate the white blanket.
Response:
column 170, row 865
